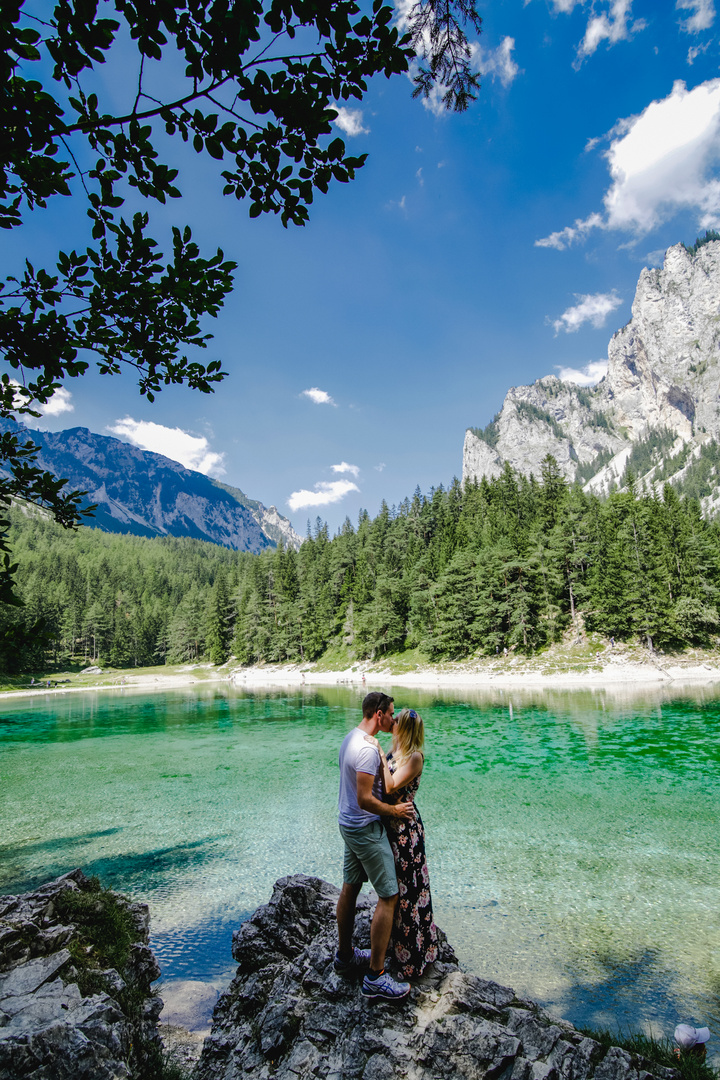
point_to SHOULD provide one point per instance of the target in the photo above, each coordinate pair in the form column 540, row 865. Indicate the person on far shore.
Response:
column 367, row 850
column 414, row 937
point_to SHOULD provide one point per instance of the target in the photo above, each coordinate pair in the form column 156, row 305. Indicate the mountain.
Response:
column 656, row 412
column 149, row 495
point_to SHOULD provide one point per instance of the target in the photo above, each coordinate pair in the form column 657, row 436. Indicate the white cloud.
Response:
column 591, row 374
column 380, row 466
column 611, row 26
column 354, row 470
column 497, row 63
column 320, row 397
column 593, row 308
column 571, row 233
column 660, row 162
column 349, row 120
column 702, row 17
column 696, row 50
column 323, row 495
column 58, row 404
column 665, row 159
column 192, row 451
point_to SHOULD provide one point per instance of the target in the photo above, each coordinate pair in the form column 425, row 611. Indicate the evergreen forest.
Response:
column 511, row 563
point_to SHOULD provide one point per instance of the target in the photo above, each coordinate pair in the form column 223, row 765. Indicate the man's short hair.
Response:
column 374, row 701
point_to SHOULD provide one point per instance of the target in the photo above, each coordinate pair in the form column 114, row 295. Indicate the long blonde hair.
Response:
column 409, row 735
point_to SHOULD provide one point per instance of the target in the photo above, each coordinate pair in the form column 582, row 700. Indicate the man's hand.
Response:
column 403, row 810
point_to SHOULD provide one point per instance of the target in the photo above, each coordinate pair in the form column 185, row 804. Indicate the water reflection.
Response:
column 573, row 838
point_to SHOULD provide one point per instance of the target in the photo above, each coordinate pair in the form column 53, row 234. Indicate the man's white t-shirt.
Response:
column 357, row 755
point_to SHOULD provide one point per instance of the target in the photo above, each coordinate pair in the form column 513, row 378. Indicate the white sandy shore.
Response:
column 483, row 678
column 618, row 674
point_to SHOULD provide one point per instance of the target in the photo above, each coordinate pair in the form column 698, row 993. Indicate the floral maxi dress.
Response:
column 414, row 937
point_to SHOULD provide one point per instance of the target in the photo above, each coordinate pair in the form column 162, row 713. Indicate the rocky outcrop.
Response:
column 146, row 494
column 64, row 1014
column 663, row 374
column 288, row 1016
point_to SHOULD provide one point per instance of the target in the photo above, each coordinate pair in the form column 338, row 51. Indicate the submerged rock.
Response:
column 288, row 1016
column 63, row 1012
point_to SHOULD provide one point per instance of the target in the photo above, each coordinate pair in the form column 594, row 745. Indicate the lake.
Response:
column 573, row 838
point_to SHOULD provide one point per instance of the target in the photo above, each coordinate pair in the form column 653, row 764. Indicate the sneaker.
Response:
column 384, row 987
column 358, row 962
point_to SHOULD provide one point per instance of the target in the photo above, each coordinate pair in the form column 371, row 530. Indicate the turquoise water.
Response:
column 573, row 839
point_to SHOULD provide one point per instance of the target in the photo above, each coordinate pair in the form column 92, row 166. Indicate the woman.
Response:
column 414, row 938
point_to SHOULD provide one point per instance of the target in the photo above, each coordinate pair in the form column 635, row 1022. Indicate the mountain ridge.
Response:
column 147, row 494
column 662, row 387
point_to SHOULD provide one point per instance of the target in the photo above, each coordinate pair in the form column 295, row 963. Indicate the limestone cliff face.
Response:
column 663, row 373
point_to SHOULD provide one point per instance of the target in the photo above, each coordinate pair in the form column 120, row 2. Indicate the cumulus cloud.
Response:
column 589, row 375
column 350, row 120
column 592, row 308
column 324, row 494
column 701, row 18
column 662, row 161
column 497, row 63
column 380, row 466
column 58, row 404
column 612, row 26
column 192, row 451
column 345, row 467
column 320, row 397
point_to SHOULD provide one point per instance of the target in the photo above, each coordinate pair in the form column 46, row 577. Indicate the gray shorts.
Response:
column 368, row 856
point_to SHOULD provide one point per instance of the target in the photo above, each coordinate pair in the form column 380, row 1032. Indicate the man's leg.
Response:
column 380, row 930
column 346, row 904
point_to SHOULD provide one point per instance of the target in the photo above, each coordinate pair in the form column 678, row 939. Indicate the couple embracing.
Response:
column 385, row 844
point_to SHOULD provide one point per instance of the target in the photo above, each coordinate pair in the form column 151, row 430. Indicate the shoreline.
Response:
column 518, row 675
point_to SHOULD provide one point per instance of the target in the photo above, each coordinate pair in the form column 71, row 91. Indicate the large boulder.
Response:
column 288, row 1016
column 64, row 1013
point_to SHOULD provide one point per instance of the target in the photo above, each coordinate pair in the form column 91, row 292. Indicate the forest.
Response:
column 513, row 562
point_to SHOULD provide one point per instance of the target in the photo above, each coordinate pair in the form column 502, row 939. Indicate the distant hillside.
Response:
column 149, row 495
column 656, row 412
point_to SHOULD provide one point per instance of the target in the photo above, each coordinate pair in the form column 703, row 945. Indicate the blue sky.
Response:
column 473, row 252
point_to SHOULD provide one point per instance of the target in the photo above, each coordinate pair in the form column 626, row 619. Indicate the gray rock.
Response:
column 288, row 1016
column 49, row 1029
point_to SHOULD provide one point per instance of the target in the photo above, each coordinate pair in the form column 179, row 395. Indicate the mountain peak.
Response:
column 147, row 494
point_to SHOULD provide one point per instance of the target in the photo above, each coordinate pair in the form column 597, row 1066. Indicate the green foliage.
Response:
column 105, row 931
column 648, row 452
column 656, row 1051
column 532, row 412
column 584, row 472
column 490, row 433
column 507, row 563
column 254, row 93
column 701, row 241
column 702, row 475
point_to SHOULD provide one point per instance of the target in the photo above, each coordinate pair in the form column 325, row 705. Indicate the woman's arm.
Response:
column 404, row 773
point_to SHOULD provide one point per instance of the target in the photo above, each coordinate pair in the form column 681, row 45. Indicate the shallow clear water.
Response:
column 573, row 839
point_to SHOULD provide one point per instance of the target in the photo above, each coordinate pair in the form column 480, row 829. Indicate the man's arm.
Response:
column 368, row 802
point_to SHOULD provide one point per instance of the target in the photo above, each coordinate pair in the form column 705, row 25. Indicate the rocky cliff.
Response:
column 288, row 1016
column 657, row 407
column 65, row 1012
column 147, row 494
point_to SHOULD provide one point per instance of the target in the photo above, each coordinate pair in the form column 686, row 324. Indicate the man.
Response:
column 368, row 854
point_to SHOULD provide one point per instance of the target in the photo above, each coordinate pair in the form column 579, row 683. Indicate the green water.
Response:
column 573, row 840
